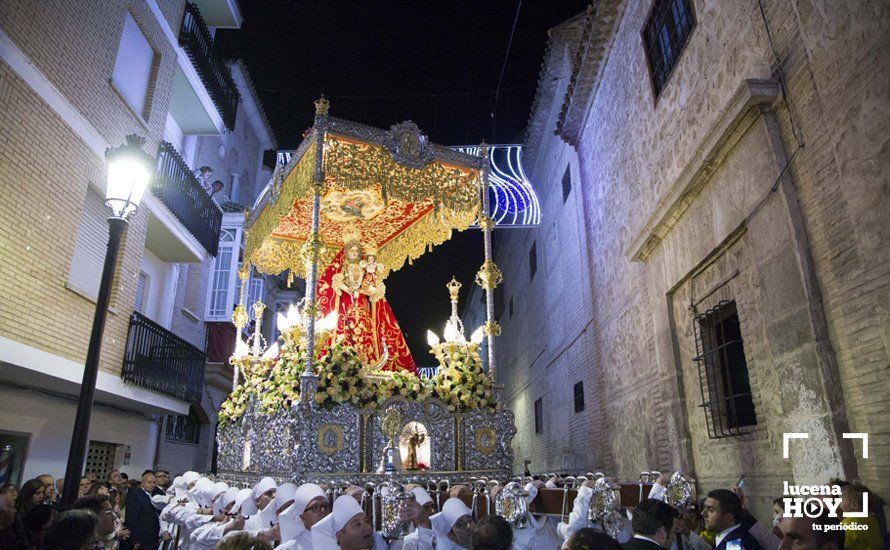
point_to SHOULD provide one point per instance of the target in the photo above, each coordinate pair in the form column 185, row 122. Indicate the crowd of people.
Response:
column 191, row 511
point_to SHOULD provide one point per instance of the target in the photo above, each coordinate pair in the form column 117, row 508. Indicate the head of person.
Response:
column 84, row 486
column 243, row 541
column 148, row 481
column 7, row 512
column 60, row 486
column 799, row 533
column 217, row 186
column 351, row 525
column 114, row 477
column 101, row 506
column 162, row 478
column 853, row 496
column 591, row 539
column 72, row 530
column 49, row 487
column 492, row 533
column 30, row 496
column 656, row 520
column 205, row 172
column 284, row 497
column 10, row 490
column 264, row 492
column 124, row 477
column 455, row 522
column 311, row 504
column 427, row 505
column 722, row 510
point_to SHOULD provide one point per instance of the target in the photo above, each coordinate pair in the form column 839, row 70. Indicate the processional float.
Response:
column 332, row 400
column 337, row 400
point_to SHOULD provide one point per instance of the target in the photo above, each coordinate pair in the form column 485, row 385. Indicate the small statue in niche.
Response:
column 414, row 441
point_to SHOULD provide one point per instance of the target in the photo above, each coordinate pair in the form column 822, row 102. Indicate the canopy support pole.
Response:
column 489, row 276
column 309, row 380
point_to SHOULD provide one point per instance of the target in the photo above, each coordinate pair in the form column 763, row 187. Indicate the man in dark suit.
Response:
column 141, row 516
column 723, row 514
column 655, row 526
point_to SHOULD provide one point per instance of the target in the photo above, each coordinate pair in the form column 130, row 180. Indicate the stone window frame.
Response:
column 539, row 415
column 647, row 45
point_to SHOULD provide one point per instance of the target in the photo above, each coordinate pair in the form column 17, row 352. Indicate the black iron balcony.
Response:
column 178, row 188
column 198, row 45
column 158, row 360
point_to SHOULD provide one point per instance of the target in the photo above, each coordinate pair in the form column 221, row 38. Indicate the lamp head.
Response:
column 129, row 171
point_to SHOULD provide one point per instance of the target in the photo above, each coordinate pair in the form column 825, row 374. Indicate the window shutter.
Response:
column 90, row 246
column 132, row 68
column 140, row 292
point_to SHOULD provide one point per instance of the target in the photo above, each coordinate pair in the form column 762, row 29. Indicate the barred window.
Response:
column 539, row 416
column 579, row 396
column 664, row 36
column 183, row 428
column 723, row 371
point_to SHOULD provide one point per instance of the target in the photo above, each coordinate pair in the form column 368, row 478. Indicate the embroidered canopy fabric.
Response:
column 390, row 190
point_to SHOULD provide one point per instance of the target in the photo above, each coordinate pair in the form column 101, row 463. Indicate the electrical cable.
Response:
column 497, row 90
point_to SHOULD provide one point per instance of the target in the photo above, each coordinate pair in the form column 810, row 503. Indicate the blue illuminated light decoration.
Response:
column 514, row 202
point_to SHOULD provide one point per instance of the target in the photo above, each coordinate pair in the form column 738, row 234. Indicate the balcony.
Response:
column 178, row 188
column 158, row 360
column 198, row 45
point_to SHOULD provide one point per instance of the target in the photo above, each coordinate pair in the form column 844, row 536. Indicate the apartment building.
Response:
column 75, row 79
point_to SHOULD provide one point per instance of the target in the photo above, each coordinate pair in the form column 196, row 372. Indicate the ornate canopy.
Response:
column 391, row 190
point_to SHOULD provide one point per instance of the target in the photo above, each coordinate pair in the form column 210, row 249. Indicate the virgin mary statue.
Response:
column 351, row 287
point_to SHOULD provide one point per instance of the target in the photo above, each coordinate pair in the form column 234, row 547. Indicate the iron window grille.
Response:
column 723, row 372
column 579, row 396
column 539, row 416
column 566, row 184
column 664, row 36
column 183, row 428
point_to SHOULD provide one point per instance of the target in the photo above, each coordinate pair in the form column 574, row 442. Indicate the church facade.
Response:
column 712, row 267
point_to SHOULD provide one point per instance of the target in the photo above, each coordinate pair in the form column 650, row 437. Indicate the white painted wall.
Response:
column 160, row 288
column 49, row 421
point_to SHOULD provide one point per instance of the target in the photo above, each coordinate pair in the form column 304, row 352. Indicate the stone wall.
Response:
column 677, row 196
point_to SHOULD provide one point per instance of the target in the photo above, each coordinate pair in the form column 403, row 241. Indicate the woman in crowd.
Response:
column 33, row 513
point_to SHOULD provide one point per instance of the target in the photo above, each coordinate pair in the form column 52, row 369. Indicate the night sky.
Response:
column 434, row 62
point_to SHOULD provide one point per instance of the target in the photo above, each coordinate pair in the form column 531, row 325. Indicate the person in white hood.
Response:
column 453, row 525
column 295, row 523
column 263, row 495
column 347, row 528
column 206, row 536
column 539, row 531
column 418, row 511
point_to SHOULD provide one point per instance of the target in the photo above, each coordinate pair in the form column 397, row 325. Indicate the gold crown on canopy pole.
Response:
column 453, row 288
column 321, row 106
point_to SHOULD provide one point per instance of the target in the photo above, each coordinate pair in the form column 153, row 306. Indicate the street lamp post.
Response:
column 129, row 170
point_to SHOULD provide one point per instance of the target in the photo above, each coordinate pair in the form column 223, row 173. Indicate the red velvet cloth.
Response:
column 365, row 324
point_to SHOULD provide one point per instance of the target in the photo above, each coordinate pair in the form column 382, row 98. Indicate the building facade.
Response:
column 711, row 271
column 76, row 79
